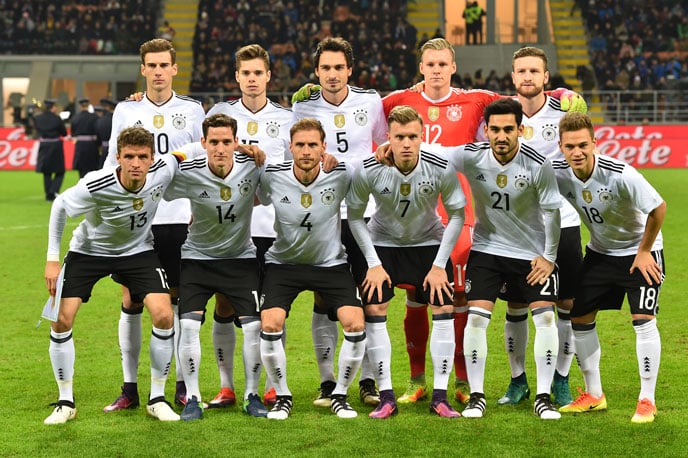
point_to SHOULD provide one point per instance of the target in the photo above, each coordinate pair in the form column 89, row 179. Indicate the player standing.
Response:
column 174, row 120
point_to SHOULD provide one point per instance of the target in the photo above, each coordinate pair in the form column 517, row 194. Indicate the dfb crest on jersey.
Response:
column 454, row 113
column 433, row 113
column 605, row 196
column 502, row 180
column 156, row 195
column 339, row 120
column 158, row 121
column 527, row 132
column 138, row 204
column 361, row 117
column 587, row 196
column 405, row 189
column 225, row 193
column 521, row 182
column 549, row 133
column 252, row 128
column 272, row 129
column 327, row 196
column 306, row 200
column 245, row 187
column 179, row 122
column 425, row 188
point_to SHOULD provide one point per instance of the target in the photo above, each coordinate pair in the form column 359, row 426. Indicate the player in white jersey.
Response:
column 218, row 255
column 308, row 255
column 624, row 258
column 515, row 241
column 118, row 205
column 406, row 243
column 541, row 115
column 174, row 121
column 353, row 119
column 265, row 124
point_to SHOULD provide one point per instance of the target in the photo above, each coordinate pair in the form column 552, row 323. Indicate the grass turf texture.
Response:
column 28, row 384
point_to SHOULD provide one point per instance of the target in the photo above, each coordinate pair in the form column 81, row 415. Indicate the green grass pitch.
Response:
column 28, row 385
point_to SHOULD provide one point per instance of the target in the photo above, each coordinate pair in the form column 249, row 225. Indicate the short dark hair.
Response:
column 219, row 120
column 250, row 52
column 530, row 51
column 307, row 124
column 334, row 44
column 135, row 136
column 504, row 106
column 157, row 45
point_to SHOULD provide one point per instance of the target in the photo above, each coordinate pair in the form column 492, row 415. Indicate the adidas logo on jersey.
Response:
column 116, row 209
column 285, row 200
column 138, row 124
column 569, row 195
column 480, row 177
column 385, row 191
column 204, row 195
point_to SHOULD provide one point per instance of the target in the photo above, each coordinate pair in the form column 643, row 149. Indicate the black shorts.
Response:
column 410, row 266
column 283, row 282
column 167, row 243
column 487, row 273
column 262, row 244
column 569, row 262
column 237, row 279
column 354, row 255
column 141, row 273
column 605, row 282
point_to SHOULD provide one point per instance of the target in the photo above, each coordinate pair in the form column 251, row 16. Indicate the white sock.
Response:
column 442, row 346
column 325, row 337
column 567, row 347
column 161, row 351
column 130, row 343
column 190, row 354
column 516, row 339
column 275, row 361
column 588, row 352
column 62, row 356
column 350, row 356
column 648, row 347
column 251, row 354
column 268, row 383
column 224, row 342
column 367, row 371
column 380, row 351
column 179, row 373
column 545, row 347
column 475, row 347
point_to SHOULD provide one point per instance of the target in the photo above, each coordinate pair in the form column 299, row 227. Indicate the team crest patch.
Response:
column 527, row 132
column 521, row 182
column 549, row 133
column 425, row 188
column 587, row 196
column 252, row 128
column 225, row 193
column 467, row 286
column 454, row 113
column 339, row 120
column 361, row 117
column 605, row 196
column 179, row 122
column 245, row 188
column 272, row 129
column 158, row 121
column 156, row 195
column 405, row 189
column 502, row 180
column 138, row 204
column 306, row 200
column 433, row 113
column 327, row 196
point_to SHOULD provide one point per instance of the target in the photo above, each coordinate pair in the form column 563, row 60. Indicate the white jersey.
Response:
column 117, row 222
column 307, row 221
column 541, row 132
column 509, row 199
column 613, row 203
column 173, row 124
column 268, row 129
column 406, row 205
column 351, row 128
column 221, row 208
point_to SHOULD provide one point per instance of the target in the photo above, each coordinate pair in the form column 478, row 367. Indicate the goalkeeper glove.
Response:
column 570, row 100
column 304, row 92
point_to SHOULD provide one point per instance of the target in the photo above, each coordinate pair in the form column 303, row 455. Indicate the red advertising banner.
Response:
column 651, row 146
column 19, row 153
